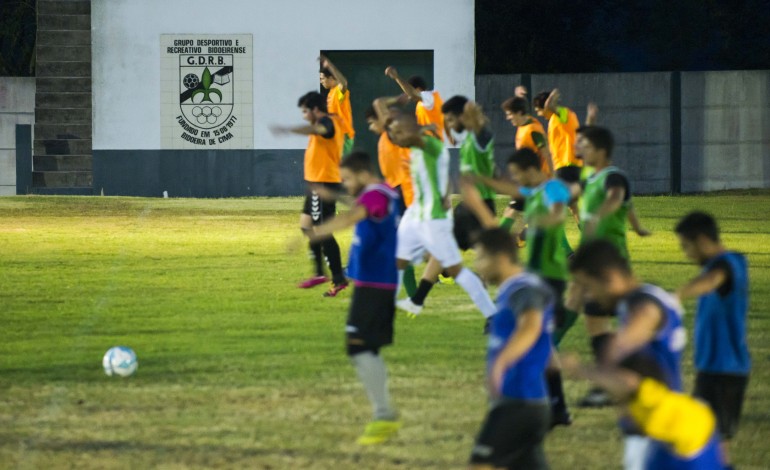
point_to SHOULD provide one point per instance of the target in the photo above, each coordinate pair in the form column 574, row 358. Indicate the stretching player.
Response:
column 373, row 269
column 514, row 430
column 721, row 351
column 322, row 160
column 338, row 100
column 429, row 102
column 604, row 204
column 682, row 429
column 427, row 223
column 394, row 166
column 650, row 337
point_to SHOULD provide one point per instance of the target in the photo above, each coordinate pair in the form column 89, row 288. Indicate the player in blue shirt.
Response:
column 519, row 349
column 650, row 336
column 372, row 267
column 722, row 357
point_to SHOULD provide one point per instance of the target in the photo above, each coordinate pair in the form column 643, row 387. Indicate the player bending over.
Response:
column 721, row 349
column 427, row 223
column 514, row 430
column 372, row 267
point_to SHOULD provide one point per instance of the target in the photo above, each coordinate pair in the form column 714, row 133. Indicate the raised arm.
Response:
column 552, row 102
column 410, row 91
column 592, row 114
column 326, row 63
column 473, row 117
column 307, row 129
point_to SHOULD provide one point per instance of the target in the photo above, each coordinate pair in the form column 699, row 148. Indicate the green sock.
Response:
column 570, row 316
column 410, row 283
column 506, row 223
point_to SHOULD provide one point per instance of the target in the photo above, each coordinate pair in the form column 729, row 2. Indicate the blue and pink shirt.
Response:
column 373, row 250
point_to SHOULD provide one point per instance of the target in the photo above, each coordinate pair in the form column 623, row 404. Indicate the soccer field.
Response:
column 240, row 369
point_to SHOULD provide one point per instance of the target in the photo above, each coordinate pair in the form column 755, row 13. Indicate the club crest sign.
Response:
column 212, row 105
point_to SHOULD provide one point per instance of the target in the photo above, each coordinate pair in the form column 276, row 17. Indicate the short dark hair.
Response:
column 539, row 100
column 418, row 82
column 600, row 137
column 525, row 158
column 698, row 223
column 311, row 100
column 370, row 113
column 326, row 72
column 358, row 161
column 596, row 257
column 454, row 105
column 497, row 241
column 515, row 105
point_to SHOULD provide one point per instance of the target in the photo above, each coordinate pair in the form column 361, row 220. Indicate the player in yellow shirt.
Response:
column 338, row 100
column 429, row 102
column 682, row 428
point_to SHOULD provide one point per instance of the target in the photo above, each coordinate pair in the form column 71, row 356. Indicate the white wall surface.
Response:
column 288, row 36
column 17, row 106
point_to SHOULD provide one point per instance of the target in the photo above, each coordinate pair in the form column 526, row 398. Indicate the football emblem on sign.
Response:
column 206, row 89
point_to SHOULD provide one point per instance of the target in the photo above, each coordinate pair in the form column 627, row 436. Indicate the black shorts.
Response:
column 559, row 311
column 512, row 436
column 518, row 204
column 467, row 226
column 724, row 393
column 594, row 309
column 569, row 174
column 370, row 318
column 318, row 209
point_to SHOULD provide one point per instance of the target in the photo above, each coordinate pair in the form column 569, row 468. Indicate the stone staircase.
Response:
column 62, row 147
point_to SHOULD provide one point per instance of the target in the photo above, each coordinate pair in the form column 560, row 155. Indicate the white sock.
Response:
column 400, row 282
column 475, row 289
column 374, row 375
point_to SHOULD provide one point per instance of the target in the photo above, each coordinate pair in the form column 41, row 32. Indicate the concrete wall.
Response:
column 725, row 123
column 725, row 130
column 287, row 37
column 635, row 106
column 17, row 106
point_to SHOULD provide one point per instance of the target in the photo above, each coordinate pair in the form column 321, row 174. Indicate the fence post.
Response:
column 676, row 133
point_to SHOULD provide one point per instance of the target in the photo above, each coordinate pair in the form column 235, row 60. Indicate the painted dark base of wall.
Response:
column 198, row 173
column 204, row 173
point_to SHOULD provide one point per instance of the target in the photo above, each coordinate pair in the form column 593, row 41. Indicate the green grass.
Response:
column 238, row 368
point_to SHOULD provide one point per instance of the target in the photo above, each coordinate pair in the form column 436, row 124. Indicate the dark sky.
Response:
column 549, row 36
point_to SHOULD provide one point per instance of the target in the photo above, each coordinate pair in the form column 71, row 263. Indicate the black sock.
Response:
column 555, row 390
column 318, row 259
column 598, row 344
column 332, row 252
column 422, row 291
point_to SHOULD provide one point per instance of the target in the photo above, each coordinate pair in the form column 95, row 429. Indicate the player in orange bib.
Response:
column 393, row 160
column 322, row 170
column 429, row 102
column 338, row 100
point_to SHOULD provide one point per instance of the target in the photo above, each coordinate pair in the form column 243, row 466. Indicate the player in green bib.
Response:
column 604, row 205
column 546, row 203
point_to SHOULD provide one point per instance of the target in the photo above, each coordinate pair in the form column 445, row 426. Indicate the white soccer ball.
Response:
column 120, row 360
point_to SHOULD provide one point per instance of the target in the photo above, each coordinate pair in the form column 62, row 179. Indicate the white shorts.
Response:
column 434, row 236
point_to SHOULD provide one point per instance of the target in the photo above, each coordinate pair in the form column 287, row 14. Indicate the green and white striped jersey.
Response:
column 430, row 179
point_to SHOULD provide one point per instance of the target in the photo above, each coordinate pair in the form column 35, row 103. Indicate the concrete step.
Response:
column 69, row 7
column 63, row 38
column 62, row 162
column 62, row 147
column 64, row 69
column 63, row 115
column 62, row 100
column 54, row 131
column 63, row 54
column 62, row 179
column 57, row 84
column 61, row 22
